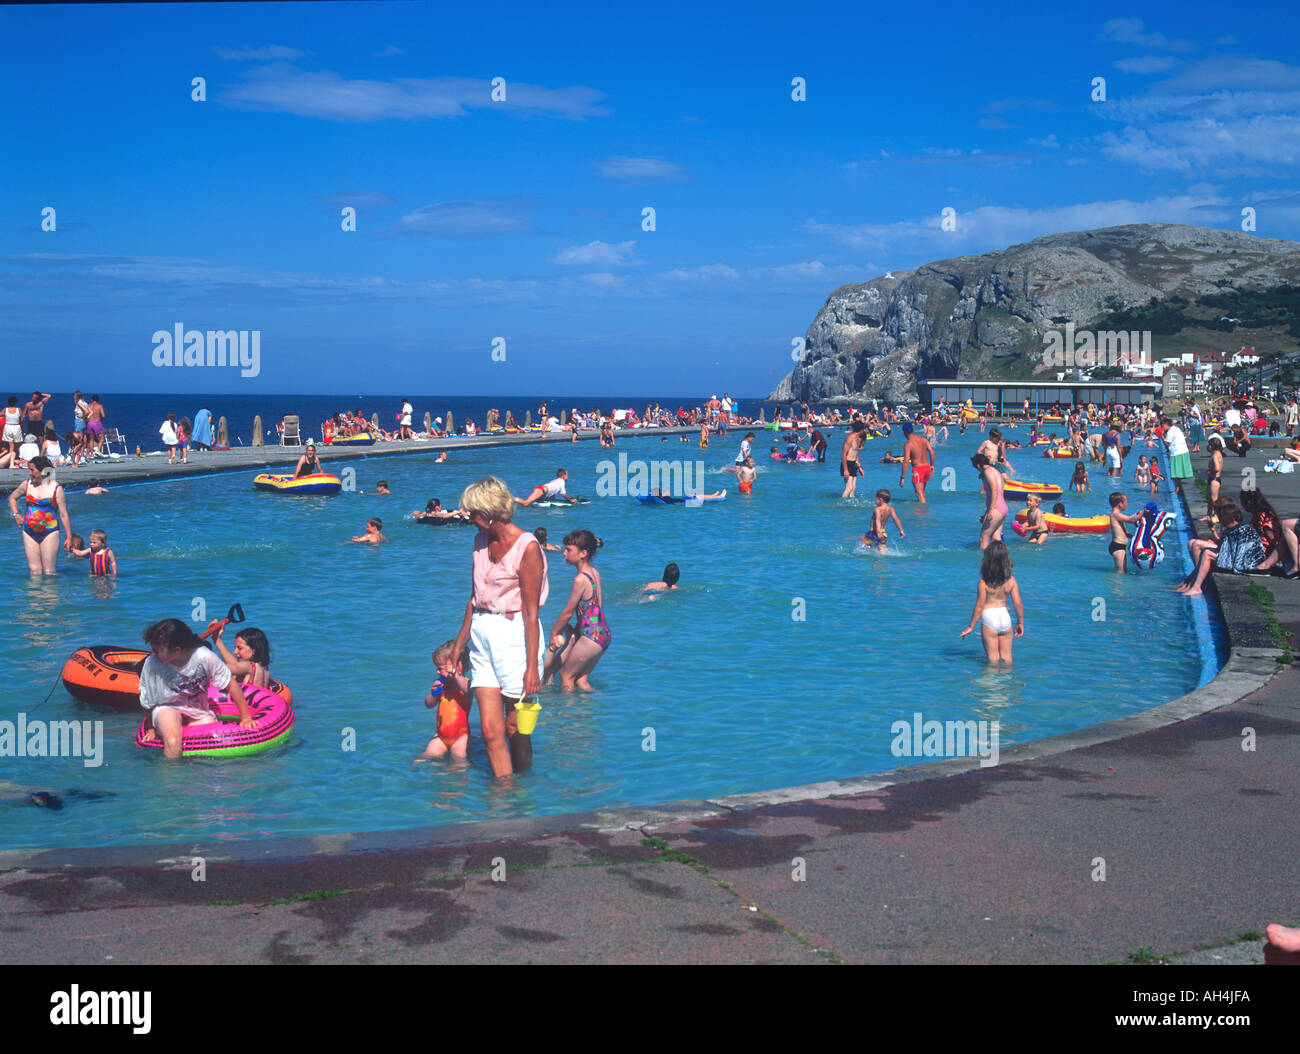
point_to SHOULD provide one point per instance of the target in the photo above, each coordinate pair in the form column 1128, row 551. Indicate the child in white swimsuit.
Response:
column 996, row 587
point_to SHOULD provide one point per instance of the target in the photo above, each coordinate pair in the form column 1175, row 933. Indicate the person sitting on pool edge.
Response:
column 671, row 574
column 552, row 491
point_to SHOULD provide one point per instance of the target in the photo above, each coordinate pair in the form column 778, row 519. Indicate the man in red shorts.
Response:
column 918, row 453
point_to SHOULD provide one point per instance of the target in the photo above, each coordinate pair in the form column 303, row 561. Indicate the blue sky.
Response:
column 522, row 219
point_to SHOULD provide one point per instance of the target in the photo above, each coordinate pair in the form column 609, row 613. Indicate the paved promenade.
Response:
column 1195, row 838
column 255, row 459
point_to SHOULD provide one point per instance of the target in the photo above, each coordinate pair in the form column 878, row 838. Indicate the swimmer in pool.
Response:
column 540, row 534
column 880, row 516
column 671, row 574
column 996, row 587
column 374, row 532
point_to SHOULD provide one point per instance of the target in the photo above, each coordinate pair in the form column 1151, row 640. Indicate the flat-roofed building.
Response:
column 1008, row 397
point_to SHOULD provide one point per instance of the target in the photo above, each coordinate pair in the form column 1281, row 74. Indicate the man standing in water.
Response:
column 918, row 453
column 849, row 467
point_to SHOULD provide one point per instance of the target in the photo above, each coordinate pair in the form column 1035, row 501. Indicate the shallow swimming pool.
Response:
column 736, row 690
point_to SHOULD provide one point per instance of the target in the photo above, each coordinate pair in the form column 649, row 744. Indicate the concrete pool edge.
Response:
column 1248, row 668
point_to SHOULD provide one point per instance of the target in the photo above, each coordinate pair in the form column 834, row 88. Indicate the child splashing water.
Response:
column 995, row 588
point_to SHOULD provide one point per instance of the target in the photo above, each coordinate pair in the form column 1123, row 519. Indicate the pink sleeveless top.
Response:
column 496, row 586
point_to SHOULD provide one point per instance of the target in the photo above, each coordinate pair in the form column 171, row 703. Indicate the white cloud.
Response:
column 1220, row 73
column 1131, row 31
column 1207, row 146
column 597, row 254
column 995, row 227
column 273, row 53
column 1147, row 64
column 326, row 95
column 392, row 49
column 641, row 170
column 361, row 199
column 707, row 271
column 603, row 280
column 466, row 219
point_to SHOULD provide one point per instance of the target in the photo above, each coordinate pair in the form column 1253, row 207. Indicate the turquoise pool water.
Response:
column 740, row 695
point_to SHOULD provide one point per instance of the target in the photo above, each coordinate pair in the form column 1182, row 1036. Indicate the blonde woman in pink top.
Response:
column 501, row 624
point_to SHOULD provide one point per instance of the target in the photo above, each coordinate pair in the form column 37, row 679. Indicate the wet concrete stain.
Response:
column 518, row 933
column 709, row 929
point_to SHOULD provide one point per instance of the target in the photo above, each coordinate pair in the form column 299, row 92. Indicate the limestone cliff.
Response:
column 984, row 316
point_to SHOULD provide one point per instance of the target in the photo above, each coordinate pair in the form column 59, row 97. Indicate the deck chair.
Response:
column 290, row 436
column 112, row 436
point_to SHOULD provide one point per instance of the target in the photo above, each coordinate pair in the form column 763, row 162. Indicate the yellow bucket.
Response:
column 526, row 716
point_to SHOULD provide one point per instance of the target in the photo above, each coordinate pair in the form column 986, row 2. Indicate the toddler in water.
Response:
column 174, row 684
column 996, row 587
column 1156, row 477
column 102, row 561
column 1079, row 481
column 1142, row 474
column 251, row 657
column 879, row 517
column 449, row 695
column 374, row 532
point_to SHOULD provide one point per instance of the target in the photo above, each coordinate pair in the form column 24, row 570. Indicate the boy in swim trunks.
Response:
column 879, row 517
column 745, row 476
column 1118, row 535
column 1035, row 525
column 920, row 455
column 450, row 696
column 849, row 467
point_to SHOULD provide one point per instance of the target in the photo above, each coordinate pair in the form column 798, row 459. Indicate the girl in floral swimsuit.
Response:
column 574, row 653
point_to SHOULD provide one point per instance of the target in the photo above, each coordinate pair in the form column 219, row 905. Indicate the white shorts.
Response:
column 497, row 652
column 997, row 619
column 1112, row 457
column 13, row 434
column 189, row 714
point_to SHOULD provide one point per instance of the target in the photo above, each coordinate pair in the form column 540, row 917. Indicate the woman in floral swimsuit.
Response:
column 575, row 652
column 45, row 510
